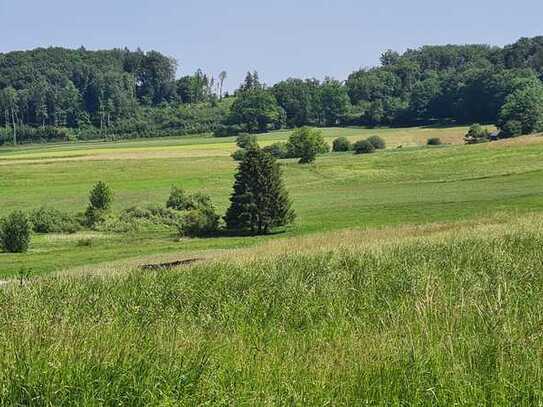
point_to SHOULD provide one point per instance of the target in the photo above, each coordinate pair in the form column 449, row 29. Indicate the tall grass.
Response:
column 425, row 321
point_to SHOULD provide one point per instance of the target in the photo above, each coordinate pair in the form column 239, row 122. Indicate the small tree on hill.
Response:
column 100, row 199
column 100, row 196
column 15, row 232
column 259, row 201
column 305, row 143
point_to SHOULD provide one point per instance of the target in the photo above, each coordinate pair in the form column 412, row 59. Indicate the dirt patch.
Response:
column 170, row 265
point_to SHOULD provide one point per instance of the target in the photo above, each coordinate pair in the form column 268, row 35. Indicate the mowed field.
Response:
column 413, row 184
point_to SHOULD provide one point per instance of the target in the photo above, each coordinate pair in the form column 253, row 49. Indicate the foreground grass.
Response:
column 438, row 316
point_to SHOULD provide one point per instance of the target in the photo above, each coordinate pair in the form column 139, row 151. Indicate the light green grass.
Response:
column 448, row 319
column 395, row 186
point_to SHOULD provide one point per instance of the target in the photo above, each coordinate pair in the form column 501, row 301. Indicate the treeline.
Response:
column 61, row 94
column 55, row 93
column 452, row 83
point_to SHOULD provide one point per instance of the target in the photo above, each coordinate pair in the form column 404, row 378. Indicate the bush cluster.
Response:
column 15, row 232
column 50, row 220
column 369, row 145
column 363, row 147
column 197, row 215
column 477, row 134
column 278, row 150
column 434, row 141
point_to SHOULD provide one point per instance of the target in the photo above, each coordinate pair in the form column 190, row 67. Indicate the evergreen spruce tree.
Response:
column 259, row 201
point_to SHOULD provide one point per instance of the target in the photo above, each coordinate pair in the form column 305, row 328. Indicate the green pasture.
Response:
column 413, row 184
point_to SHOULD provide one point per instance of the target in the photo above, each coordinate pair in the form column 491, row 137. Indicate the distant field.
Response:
column 409, row 185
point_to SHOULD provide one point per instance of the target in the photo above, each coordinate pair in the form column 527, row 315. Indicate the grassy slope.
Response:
column 397, row 186
column 439, row 315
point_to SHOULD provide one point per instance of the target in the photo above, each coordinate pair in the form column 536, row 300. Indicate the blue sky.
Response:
column 279, row 38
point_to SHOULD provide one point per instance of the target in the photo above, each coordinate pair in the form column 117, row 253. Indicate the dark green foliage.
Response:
column 341, row 144
column 377, row 142
column 279, row 150
column 334, row 102
column 525, row 106
column 363, row 147
column 239, row 154
column 101, row 196
column 300, row 99
column 246, row 141
column 477, row 134
column 225, row 130
column 100, row 199
column 259, row 201
column 199, row 222
column 511, row 128
column 434, row 141
column 57, row 94
column 178, row 199
column 256, row 110
column 305, row 143
column 50, row 220
column 15, row 232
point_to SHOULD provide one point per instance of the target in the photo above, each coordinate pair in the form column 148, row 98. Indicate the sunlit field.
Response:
column 414, row 184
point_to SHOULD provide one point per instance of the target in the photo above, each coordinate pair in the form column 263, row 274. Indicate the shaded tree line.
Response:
column 451, row 83
column 116, row 91
column 58, row 94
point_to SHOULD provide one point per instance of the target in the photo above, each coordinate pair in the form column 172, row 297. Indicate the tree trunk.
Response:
column 14, row 127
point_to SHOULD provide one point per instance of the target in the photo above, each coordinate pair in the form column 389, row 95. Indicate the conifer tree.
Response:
column 259, row 201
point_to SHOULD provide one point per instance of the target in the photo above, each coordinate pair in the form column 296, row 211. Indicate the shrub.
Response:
column 363, row 147
column 512, row 128
column 477, row 134
column 239, row 154
column 15, row 232
column 49, row 220
column 94, row 216
column 278, row 150
column 341, row 144
column 223, row 130
column 198, row 223
column 201, row 219
column 246, row 141
column 305, row 143
column 151, row 214
column 434, row 141
column 178, row 199
column 377, row 142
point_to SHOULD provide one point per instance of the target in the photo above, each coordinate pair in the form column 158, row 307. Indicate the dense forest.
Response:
column 61, row 94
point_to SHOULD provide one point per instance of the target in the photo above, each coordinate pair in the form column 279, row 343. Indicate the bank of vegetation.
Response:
column 58, row 94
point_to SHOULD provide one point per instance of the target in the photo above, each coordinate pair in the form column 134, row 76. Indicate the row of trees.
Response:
column 472, row 83
column 112, row 91
column 135, row 93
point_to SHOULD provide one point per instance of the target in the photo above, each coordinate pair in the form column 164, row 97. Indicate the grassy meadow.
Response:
column 409, row 185
column 412, row 276
column 437, row 315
